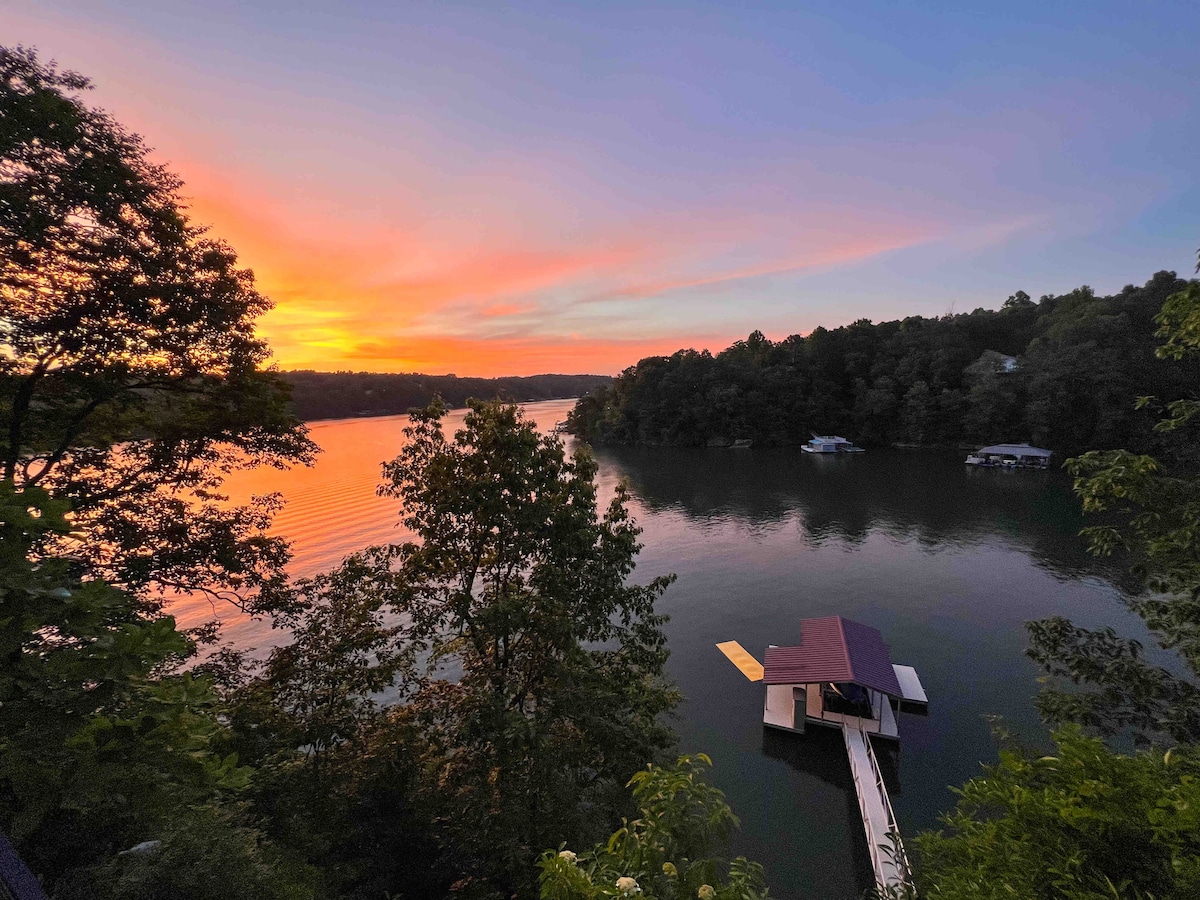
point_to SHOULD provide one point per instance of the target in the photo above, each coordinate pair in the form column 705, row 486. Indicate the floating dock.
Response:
column 841, row 676
column 747, row 664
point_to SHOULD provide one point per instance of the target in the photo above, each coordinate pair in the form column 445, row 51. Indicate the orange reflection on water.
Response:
column 331, row 507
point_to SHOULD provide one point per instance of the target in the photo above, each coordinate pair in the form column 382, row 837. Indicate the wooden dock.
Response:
column 841, row 676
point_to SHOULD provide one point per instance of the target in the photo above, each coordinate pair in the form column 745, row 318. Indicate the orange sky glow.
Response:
column 375, row 298
column 466, row 263
column 448, row 190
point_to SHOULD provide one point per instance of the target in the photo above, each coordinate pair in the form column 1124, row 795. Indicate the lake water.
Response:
column 947, row 561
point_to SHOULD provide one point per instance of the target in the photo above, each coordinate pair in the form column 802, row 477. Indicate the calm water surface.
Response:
column 946, row 561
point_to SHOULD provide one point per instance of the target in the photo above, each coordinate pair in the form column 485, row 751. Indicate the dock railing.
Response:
column 887, row 850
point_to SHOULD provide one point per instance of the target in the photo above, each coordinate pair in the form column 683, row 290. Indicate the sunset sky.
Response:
column 567, row 187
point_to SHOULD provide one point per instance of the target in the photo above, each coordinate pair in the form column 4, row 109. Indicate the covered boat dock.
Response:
column 840, row 673
column 1021, row 456
column 841, row 676
column 830, row 443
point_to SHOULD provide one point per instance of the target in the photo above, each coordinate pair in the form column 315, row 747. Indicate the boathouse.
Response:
column 839, row 673
column 1014, row 455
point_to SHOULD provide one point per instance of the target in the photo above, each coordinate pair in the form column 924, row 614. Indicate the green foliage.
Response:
column 129, row 387
column 1082, row 824
column 515, row 566
column 322, row 685
column 201, row 855
column 1089, row 822
column 663, row 854
column 1081, row 360
column 450, row 706
column 100, row 745
column 1153, row 511
column 1124, row 695
column 1179, row 322
column 129, row 380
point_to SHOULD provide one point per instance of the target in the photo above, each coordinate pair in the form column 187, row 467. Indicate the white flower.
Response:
column 706, row 892
column 628, row 886
column 143, row 849
column 568, row 856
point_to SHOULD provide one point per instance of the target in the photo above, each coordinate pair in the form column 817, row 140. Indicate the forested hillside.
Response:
column 338, row 395
column 1062, row 372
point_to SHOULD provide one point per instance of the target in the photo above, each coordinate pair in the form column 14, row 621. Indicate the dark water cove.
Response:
column 947, row 561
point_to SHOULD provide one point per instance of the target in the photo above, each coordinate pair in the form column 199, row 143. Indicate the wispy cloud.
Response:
column 488, row 217
column 352, row 292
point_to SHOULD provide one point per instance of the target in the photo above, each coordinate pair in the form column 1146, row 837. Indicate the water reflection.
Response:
column 946, row 561
column 931, row 498
column 818, row 762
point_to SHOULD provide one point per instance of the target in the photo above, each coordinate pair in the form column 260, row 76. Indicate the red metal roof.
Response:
column 834, row 649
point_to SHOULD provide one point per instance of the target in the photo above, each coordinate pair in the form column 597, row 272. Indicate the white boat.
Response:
column 1011, row 456
column 830, row 444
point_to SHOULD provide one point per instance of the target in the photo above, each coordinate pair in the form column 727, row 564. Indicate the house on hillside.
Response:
column 992, row 362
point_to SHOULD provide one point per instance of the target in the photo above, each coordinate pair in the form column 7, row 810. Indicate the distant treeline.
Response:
column 1062, row 372
column 339, row 395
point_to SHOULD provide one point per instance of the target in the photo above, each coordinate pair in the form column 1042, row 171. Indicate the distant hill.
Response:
column 339, row 395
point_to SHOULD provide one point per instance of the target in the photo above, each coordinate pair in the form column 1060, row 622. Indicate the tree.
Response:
column 129, row 386
column 326, row 724
column 130, row 378
column 519, row 586
column 1084, row 359
column 337, row 395
column 321, row 688
column 667, row 852
column 100, row 746
column 1082, row 824
column 1158, row 503
column 522, row 674
column 202, row 853
column 1017, row 301
column 1088, row 822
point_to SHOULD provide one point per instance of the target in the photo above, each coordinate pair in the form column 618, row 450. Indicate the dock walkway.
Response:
column 835, row 653
column 879, row 821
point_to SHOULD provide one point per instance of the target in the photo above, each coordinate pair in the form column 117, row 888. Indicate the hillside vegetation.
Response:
column 1063, row 372
column 339, row 395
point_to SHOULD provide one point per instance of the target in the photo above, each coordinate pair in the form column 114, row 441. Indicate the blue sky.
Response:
column 494, row 189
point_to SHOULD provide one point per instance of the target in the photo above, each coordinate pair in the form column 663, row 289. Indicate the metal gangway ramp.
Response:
column 888, row 859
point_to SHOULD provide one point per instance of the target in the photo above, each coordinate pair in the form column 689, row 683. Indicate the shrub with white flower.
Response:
column 648, row 857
